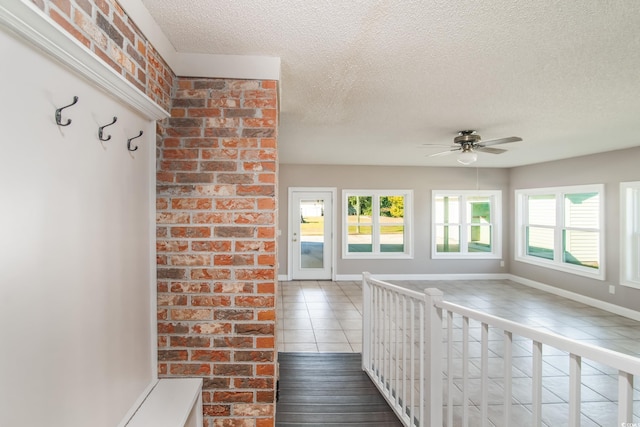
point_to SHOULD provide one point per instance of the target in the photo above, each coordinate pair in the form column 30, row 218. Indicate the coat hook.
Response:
column 129, row 142
column 59, row 113
column 101, row 131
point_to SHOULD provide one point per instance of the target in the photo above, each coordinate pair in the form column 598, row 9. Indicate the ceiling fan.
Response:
column 468, row 143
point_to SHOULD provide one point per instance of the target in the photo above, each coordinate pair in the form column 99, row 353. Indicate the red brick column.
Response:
column 216, row 241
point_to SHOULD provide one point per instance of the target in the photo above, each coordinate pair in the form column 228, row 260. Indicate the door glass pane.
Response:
column 581, row 248
column 542, row 210
column 311, row 233
column 391, row 222
column 359, row 224
column 540, row 242
column 447, row 238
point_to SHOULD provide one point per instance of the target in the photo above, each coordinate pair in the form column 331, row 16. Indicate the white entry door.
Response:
column 310, row 236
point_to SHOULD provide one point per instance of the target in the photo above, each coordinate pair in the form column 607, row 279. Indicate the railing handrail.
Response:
column 611, row 358
column 395, row 288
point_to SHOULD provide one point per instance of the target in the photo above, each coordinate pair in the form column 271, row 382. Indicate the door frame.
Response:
column 291, row 226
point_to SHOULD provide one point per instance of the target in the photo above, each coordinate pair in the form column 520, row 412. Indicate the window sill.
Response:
column 465, row 256
column 377, row 256
column 565, row 268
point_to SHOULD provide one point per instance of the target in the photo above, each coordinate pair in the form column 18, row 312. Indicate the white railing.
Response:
column 404, row 346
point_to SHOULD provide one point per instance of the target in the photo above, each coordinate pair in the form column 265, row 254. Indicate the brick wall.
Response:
column 104, row 28
column 216, row 226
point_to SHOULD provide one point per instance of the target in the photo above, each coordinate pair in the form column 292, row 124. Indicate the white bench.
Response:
column 173, row 402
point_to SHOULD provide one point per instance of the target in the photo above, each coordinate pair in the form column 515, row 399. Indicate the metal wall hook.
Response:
column 101, row 131
column 129, row 142
column 59, row 113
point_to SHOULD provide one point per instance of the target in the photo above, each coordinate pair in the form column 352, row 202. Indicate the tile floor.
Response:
column 318, row 316
column 324, row 316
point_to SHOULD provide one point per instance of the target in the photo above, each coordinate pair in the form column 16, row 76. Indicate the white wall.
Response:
column 76, row 249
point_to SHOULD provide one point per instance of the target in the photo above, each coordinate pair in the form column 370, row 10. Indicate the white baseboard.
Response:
column 491, row 276
column 612, row 308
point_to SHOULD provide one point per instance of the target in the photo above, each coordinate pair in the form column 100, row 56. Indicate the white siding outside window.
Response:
column 562, row 228
column 630, row 234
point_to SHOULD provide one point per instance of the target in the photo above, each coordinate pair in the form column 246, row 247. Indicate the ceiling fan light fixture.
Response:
column 467, row 157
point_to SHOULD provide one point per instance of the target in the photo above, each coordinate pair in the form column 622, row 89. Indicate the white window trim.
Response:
column 496, row 220
column 629, row 246
column 556, row 263
column 408, row 225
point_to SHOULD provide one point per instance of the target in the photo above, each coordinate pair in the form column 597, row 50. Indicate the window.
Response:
column 466, row 224
column 630, row 234
column 561, row 228
column 377, row 224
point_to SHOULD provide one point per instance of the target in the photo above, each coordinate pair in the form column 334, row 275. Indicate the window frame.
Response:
column 495, row 198
column 557, row 263
column 630, row 234
column 375, row 224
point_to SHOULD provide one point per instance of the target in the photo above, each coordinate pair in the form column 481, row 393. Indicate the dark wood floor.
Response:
column 323, row 389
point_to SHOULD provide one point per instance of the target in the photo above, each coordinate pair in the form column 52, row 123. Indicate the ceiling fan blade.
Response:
column 499, row 141
column 444, row 153
column 489, row 150
column 435, row 145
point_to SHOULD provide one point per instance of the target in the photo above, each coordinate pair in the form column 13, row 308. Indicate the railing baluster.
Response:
column 465, row 371
column 450, row 385
column 366, row 323
column 412, row 358
column 391, row 342
column 376, row 333
column 379, row 347
column 484, row 370
column 396, row 346
column 537, row 384
column 404, row 354
column 575, row 384
column 383, row 301
column 421, row 359
column 432, row 398
column 508, row 369
column 625, row 397
column 383, row 335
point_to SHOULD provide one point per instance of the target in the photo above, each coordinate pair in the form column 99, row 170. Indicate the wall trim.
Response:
column 612, row 308
column 32, row 25
column 250, row 67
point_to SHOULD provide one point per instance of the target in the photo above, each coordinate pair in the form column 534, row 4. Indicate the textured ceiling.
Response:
column 368, row 82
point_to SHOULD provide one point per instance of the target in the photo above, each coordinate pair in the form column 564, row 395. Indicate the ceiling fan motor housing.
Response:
column 466, row 138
